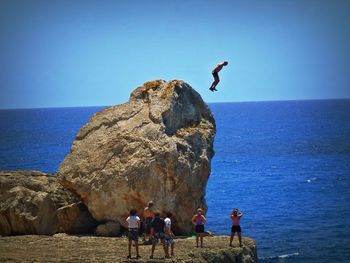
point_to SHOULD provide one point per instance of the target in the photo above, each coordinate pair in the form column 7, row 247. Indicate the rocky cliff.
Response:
column 157, row 146
column 33, row 202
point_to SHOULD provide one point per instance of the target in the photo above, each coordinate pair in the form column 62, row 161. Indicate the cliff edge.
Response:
column 65, row 248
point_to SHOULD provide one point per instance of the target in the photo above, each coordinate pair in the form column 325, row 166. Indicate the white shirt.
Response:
column 168, row 222
column 133, row 221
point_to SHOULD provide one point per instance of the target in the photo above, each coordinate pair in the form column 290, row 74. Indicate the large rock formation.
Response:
column 32, row 202
column 157, row 146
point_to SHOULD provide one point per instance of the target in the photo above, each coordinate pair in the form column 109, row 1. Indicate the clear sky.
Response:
column 91, row 53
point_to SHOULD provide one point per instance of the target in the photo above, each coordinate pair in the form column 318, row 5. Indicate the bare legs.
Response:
column 239, row 238
column 172, row 249
column 165, row 247
column 199, row 236
column 129, row 248
column 136, row 246
column 166, row 250
column 231, row 238
column 214, row 84
column 153, row 247
column 137, row 249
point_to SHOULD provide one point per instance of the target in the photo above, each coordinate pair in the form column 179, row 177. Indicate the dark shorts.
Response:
column 148, row 226
column 157, row 237
column 215, row 75
column 133, row 234
column 235, row 229
column 169, row 240
column 199, row 228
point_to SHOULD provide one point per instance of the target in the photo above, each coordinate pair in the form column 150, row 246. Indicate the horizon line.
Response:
column 219, row 102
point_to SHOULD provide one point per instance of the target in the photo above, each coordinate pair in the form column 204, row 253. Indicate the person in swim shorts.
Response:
column 215, row 73
column 169, row 235
column 199, row 221
column 148, row 216
column 158, row 233
column 236, row 217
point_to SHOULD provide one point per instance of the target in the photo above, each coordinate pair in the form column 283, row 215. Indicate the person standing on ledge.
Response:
column 215, row 73
column 169, row 235
column 199, row 221
column 133, row 225
column 236, row 217
column 158, row 233
column 148, row 216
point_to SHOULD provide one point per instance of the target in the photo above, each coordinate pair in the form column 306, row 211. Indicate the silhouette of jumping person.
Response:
column 216, row 75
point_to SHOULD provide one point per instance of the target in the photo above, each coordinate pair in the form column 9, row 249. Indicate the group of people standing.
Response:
column 159, row 229
column 156, row 229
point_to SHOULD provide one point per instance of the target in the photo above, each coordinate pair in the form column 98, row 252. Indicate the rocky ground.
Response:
column 72, row 248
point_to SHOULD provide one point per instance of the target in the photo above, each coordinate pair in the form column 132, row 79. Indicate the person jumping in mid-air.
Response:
column 216, row 75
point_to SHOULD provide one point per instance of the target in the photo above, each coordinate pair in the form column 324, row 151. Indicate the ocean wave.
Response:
column 311, row 179
column 277, row 258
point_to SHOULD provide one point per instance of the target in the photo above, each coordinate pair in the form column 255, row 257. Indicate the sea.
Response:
column 284, row 164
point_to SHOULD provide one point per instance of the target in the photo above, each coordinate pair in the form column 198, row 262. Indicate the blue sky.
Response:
column 92, row 53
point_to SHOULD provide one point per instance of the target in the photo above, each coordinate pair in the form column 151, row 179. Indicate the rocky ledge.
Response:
column 65, row 248
column 32, row 202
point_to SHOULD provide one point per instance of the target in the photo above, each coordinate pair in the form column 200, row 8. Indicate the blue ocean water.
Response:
column 286, row 165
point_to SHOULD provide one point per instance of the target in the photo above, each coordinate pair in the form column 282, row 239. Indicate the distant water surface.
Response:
column 286, row 165
column 39, row 139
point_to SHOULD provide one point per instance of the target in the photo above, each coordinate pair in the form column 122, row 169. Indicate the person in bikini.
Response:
column 215, row 73
column 236, row 217
column 148, row 216
column 199, row 221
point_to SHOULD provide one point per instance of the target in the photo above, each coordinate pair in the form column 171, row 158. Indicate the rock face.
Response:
column 109, row 229
column 157, row 146
column 32, row 202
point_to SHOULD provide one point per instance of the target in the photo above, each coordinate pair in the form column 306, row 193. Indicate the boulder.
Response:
column 109, row 229
column 157, row 146
column 75, row 218
column 33, row 202
column 27, row 212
